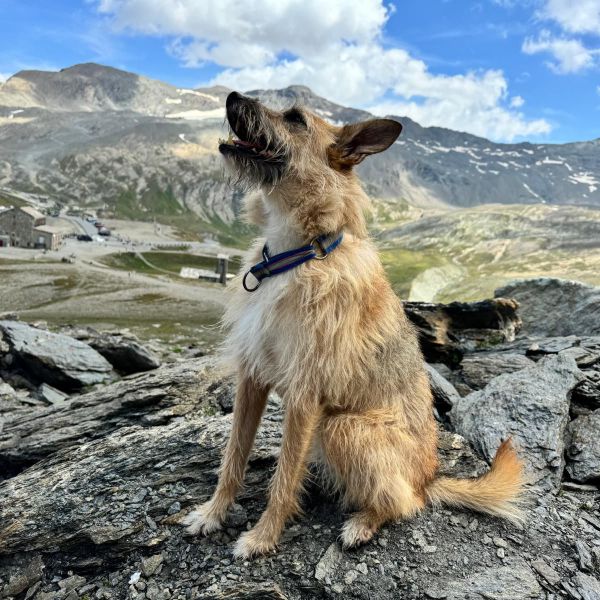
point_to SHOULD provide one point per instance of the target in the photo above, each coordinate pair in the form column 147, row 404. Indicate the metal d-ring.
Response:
column 244, row 282
column 317, row 242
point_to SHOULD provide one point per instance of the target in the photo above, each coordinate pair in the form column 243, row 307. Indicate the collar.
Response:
column 319, row 248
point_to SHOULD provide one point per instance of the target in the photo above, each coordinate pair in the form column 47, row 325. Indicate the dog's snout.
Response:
column 239, row 109
column 232, row 99
column 235, row 99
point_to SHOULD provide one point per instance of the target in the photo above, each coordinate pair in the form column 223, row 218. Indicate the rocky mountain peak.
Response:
column 62, row 137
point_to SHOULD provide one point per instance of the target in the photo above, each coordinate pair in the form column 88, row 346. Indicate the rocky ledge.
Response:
column 97, row 477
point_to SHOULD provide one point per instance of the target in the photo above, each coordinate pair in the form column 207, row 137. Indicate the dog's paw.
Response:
column 205, row 519
column 356, row 532
column 251, row 544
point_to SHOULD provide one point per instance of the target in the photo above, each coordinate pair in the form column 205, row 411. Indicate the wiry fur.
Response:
column 332, row 339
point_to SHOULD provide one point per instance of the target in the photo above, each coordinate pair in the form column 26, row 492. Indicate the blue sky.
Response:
column 506, row 69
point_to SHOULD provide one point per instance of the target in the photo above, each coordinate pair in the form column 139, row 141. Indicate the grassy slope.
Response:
column 167, row 261
column 402, row 266
column 161, row 204
column 495, row 244
column 7, row 200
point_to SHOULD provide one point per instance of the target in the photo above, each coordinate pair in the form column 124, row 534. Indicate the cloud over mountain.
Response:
column 338, row 48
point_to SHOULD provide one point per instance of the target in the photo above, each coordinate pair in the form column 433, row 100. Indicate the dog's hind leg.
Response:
column 371, row 460
column 299, row 426
column 248, row 408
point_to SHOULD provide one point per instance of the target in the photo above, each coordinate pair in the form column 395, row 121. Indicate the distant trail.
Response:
column 147, row 262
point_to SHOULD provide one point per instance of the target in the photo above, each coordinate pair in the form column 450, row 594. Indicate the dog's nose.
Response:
column 234, row 98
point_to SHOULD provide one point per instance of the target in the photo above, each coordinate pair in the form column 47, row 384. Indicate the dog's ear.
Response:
column 357, row 141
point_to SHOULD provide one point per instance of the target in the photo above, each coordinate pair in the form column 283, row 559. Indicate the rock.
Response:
column 97, row 501
column 24, row 577
column 583, row 448
column 53, row 358
column 546, row 571
column 135, row 577
column 123, row 352
column 151, row 564
column 457, row 459
column 552, row 345
column 71, row 583
column 7, row 393
column 586, row 562
column 514, row 581
column 587, row 392
column 532, row 406
column 186, row 388
column 77, row 496
column 51, row 395
column 328, row 563
column 478, row 370
column 174, row 508
column 587, row 586
column 446, row 331
column 444, row 393
column 555, row 306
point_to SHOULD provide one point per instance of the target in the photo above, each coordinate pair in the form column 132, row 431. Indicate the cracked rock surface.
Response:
column 92, row 488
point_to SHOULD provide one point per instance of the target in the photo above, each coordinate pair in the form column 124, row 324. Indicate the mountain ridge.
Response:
column 91, row 134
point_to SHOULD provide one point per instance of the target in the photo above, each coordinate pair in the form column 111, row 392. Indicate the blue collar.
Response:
column 279, row 263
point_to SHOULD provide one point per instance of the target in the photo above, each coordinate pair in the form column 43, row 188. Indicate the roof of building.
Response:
column 32, row 212
column 46, row 229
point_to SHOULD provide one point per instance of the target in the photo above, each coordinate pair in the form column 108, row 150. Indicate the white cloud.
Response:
column 238, row 33
column 517, row 101
column 335, row 48
column 579, row 16
column 570, row 55
column 4, row 77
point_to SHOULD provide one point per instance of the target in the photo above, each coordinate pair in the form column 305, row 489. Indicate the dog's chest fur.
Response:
column 260, row 337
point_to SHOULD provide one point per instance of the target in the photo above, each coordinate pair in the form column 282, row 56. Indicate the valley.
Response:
column 454, row 216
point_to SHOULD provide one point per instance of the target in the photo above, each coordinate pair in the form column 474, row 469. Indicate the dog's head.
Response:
column 303, row 162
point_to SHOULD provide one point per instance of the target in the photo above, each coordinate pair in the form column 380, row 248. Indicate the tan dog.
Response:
column 331, row 338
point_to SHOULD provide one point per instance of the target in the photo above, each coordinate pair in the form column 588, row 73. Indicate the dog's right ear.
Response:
column 357, row 141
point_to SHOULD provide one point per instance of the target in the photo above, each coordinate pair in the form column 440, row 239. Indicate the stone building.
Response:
column 26, row 227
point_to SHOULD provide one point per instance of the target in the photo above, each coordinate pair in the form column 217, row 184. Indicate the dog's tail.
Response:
column 496, row 493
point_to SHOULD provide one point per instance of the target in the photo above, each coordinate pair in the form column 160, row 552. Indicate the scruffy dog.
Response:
column 331, row 338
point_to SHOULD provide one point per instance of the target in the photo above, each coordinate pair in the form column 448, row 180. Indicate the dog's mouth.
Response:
column 256, row 150
column 255, row 155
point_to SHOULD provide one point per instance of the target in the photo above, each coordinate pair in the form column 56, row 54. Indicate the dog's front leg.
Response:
column 298, row 429
column 248, row 408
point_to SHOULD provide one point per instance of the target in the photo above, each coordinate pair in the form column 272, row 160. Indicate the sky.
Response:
column 508, row 70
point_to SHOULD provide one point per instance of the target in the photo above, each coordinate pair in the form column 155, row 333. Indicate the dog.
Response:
column 329, row 335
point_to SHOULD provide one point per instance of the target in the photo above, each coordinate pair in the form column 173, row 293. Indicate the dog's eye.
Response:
column 294, row 116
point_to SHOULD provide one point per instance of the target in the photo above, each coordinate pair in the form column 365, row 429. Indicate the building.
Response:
column 26, row 227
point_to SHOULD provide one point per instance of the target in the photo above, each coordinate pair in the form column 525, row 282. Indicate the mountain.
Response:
column 97, row 136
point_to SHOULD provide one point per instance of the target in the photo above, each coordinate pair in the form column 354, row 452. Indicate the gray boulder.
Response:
column 555, row 307
column 447, row 331
column 123, row 352
column 532, row 406
column 53, row 358
column 444, row 393
column 583, row 447
column 479, row 369
column 6, row 391
column 51, row 395
column 154, row 398
column 587, row 392
column 513, row 581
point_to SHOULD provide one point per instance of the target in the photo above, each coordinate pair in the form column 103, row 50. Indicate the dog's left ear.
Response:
column 359, row 140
